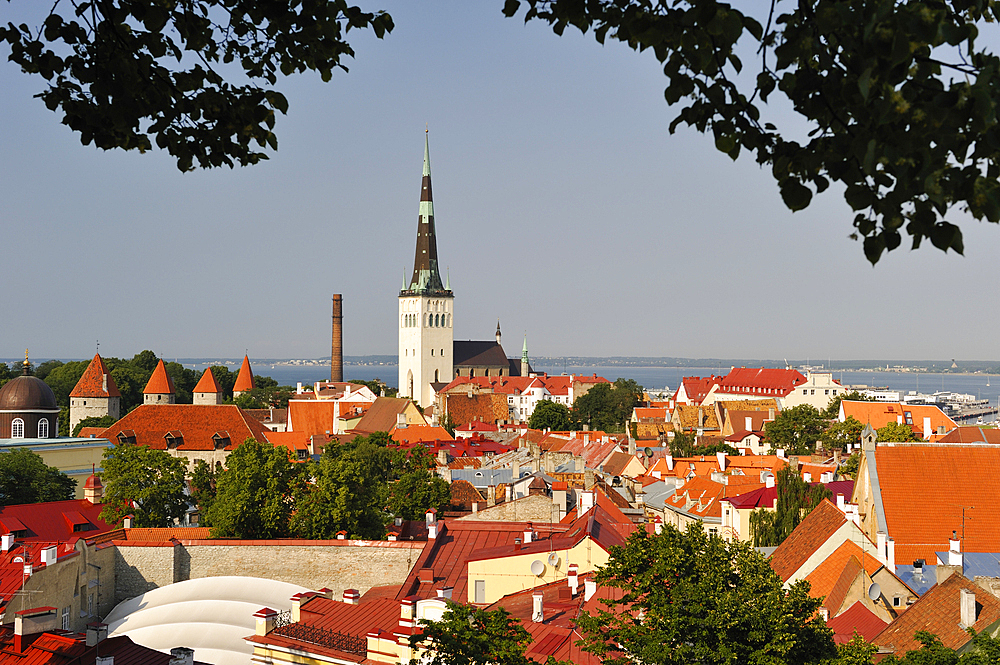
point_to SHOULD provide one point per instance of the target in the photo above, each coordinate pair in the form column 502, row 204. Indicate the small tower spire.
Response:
column 525, row 365
column 498, row 331
column 426, row 277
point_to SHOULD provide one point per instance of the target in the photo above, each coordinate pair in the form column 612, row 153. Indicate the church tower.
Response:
column 425, row 310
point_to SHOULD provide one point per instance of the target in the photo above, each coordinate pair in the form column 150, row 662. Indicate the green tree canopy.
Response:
column 148, row 484
column 795, row 430
column 840, row 434
column 703, row 600
column 468, row 635
column 549, row 415
column 416, row 492
column 203, row 487
column 93, row 421
column 832, row 409
column 253, row 495
column 897, row 433
column 26, row 478
column 607, row 406
column 796, row 499
column 985, row 651
column 895, row 101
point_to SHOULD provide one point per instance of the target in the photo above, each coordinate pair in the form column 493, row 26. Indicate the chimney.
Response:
column 265, row 620
column 586, row 502
column 701, row 417
column 588, row 479
column 352, row 596
column 928, row 430
column 49, row 555
column 337, row 340
column 96, row 633
column 29, row 622
column 108, row 660
column 445, row 592
column 517, row 544
column 182, row 656
column 589, row 589
column 721, row 459
column 296, row 607
column 537, row 608
column 528, row 533
column 769, row 480
column 491, row 496
column 326, row 593
column 515, row 470
column 658, row 524
column 840, row 503
column 407, row 614
column 748, row 423
column 968, row 608
column 572, row 576
column 6, row 542
column 298, row 388
column 781, row 453
column 890, row 555
column 670, row 462
column 770, row 414
column 880, row 545
column 954, row 550
column 431, row 516
column 127, row 522
column 586, row 439
column 432, row 530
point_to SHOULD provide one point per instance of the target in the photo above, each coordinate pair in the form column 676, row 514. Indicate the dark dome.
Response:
column 27, row 392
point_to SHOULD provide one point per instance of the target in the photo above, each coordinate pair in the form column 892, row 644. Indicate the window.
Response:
column 432, row 352
column 65, row 618
column 826, row 392
column 17, row 429
column 43, row 428
column 896, row 601
column 90, row 604
column 908, row 416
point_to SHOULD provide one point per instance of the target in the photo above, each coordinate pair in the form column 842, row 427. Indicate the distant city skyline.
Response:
column 565, row 209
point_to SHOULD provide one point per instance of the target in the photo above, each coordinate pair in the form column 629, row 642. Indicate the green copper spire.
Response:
column 426, row 279
column 524, row 350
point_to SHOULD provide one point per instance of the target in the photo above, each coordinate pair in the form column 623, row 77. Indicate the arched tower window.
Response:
column 43, row 428
column 436, row 379
column 17, row 429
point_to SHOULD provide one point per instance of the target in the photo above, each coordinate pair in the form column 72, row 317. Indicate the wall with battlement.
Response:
column 314, row 564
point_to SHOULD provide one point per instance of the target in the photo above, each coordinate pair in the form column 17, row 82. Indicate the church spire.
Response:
column 426, row 277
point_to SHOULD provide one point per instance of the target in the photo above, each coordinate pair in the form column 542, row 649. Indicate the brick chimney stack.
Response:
column 337, row 343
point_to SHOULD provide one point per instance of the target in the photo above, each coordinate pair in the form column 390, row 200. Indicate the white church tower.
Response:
column 425, row 310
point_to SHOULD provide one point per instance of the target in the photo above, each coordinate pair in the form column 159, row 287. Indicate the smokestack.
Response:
column 337, row 343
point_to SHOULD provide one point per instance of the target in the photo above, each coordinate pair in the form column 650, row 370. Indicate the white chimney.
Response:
column 96, row 633
column 769, row 480
column 572, row 577
column 781, row 453
column 432, row 531
column 109, row 660
column 445, row 592
column 928, row 430
column 720, row 457
column 352, row 596
column 880, row 544
column 968, row 608
column 527, row 535
column 954, row 550
column 537, row 608
column 670, row 462
column 840, row 502
column 49, row 555
column 6, row 541
column 298, row 388
column 589, row 589
column 890, row 555
column 748, row 424
column 586, row 502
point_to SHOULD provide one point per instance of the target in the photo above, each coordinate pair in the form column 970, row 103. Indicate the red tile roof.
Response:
column 825, row 576
column 938, row 611
column 930, row 490
column 420, row 434
column 880, row 414
column 46, row 522
column 761, row 381
column 207, row 383
column 160, row 382
column 858, row 618
column 697, row 388
column 311, row 417
column 96, row 381
column 57, row 647
column 818, row 526
column 244, row 380
column 197, row 423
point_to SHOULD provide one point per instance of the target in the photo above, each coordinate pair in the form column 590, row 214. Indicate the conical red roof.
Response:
column 244, row 381
column 159, row 383
column 92, row 384
column 207, row 384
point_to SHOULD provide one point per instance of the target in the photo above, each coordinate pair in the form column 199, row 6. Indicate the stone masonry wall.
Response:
column 337, row 564
column 535, row 508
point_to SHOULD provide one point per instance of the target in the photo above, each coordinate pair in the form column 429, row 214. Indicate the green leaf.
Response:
column 795, row 195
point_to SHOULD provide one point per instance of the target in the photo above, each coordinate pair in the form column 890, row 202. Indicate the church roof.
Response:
column 160, row 382
column 478, row 354
column 92, row 383
column 244, row 381
column 426, row 279
column 207, row 383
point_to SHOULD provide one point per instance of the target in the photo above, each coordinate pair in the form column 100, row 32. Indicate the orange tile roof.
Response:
column 160, row 382
column 90, row 432
column 930, row 490
column 808, row 536
column 92, row 383
column 294, row 441
column 651, row 414
column 207, row 383
column 244, row 380
column 938, row 611
column 971, row 434
column 197, row 424
column 311, row 417
column 824, row 577
column 880, row 414
column 420, row 434
column 698, row 496
column 761, row 380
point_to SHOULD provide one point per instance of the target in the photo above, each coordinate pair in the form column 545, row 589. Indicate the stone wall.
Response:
column 527, row 509
column 336, row 564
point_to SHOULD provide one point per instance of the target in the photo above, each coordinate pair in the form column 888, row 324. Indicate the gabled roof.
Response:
column 825, row 576
column 938, row 611
column 57, row 647
column 197, row 424
column 420, row 434
column 244, row 380
column 687, row 416
column 478, row 354
column 697, row 388
column 312, row 417
column 818, row 526
column 47, row 522
column 858, row 618
column 761, row 380
column 929, row 490
column 207, row 383
column 96, row 381
column 617, row 463
column 160, row 382
column 880, row 414
column 381, row 416
column 971, row 434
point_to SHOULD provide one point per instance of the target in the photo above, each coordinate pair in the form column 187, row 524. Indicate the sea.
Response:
column 982, row 386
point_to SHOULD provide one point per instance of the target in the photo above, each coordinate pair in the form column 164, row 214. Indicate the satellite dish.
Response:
column 553, row 560
column 537, row 568
column 649, row 452
column 874, row 591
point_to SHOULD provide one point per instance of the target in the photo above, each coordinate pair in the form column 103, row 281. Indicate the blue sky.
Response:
column 563, row 206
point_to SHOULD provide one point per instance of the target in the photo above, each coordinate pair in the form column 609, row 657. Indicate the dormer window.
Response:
column 126, row 436
column 221, row 440
column 174, row 439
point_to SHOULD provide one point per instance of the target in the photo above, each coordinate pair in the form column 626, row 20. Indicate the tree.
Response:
column 897, row 100
column 855, row 652
column 796, row 499
column 148, row 484
column 62, row 378
column 832, row 409
column 606, row 406
column 25, row 478
column 897, row 433
column 985, row 651
column 416, row 492
column 92, row 421
column 549, row 415
column 114, row 70
column 702, row 600
column 840, row 434
column 468, row 635
column 203, row 487
column 796, row 430
column 253, row 498
column 850, row 466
